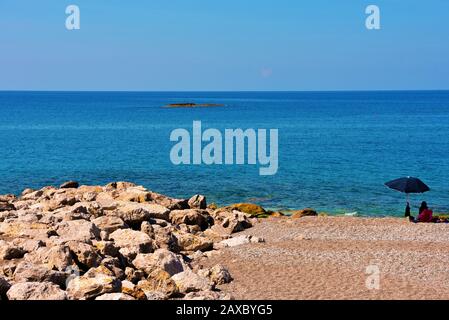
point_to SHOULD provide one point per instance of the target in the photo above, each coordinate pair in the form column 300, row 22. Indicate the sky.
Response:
column 226, row 45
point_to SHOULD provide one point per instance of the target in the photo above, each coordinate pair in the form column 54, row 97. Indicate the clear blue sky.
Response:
column 224, row 45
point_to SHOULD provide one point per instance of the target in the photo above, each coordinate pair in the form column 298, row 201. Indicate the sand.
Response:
column 327, row 258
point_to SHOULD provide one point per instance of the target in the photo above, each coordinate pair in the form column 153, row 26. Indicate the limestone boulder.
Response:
column 94, row 283
column 190, row 217
column 251, row 209
column 190, row 242
column 131, row 242
column 132, row 290
column 197, row 202
column 303, row 213
column 135, row 213
column 78, row 230
column 28, row 272
column 57, row 257
column 158, row 281
column 188, row 281
column 6, row 206
column 69, row 184
column 238, row 241
column 35, row 291
column 109, row 223
column 161, row 259
column 115, row 296
column 170, row 203
column 207, row 295
column 8, row 251
column 106, row 248
column 85, row 255
column 218, row 274
column 16, row 229
column 231, row 220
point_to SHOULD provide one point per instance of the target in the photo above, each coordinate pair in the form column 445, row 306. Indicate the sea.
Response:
column 335, row 149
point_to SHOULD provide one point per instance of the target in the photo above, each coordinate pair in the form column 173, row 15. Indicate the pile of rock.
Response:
column 114, row 242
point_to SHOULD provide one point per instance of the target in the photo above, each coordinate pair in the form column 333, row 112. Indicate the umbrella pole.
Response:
column 408, row 198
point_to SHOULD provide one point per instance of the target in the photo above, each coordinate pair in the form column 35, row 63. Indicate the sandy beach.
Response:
column 122, row 241
column 327, row 257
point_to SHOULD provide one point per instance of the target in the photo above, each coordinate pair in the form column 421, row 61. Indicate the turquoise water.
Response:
column 336, row 149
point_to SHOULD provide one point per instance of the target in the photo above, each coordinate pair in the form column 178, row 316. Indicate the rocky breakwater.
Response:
column 114, row 242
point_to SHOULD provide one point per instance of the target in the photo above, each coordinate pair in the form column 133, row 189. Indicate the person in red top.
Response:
column 425, row 214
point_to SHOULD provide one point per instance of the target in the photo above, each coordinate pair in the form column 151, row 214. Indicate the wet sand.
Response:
column 327, row 258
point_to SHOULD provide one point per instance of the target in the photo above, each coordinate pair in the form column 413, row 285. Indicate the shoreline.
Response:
column 125, row 242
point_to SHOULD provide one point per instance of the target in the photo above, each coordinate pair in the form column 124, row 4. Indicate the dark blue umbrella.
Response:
column 408, row 185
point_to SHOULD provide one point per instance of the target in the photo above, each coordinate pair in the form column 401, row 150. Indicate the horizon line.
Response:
column 229, row 91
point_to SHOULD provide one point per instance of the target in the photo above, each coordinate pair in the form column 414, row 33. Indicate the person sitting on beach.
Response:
column 425, row 214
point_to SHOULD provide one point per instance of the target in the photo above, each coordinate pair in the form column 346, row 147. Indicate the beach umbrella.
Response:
column 408, row 185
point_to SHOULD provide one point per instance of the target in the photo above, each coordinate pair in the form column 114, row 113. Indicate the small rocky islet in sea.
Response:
column 193, row 105
column 116, row 242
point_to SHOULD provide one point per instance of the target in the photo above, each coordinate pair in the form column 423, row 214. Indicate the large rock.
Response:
column 217, row 233
column 170, row 203
column 109, row 223
column 132, row 290
column 188, row 281
column 231, row 220
column 120, row 185
column 8, row 198
column 191, row 242
column 57, row 257
column 134, row 194
column 78, row 230
column 218, row 274
column 164, row 238
column 85, row 210
column 197, row 202
column 238, row 241
column 4, row 286
column 115, row 296
column 28, row 245
column 160, row 259
column 69, row 184
column 5, row 206
column 190, row 217
column 106, row 201
column 106, row 248
column 148, row 290
column 28, row 272
column 95, row 282
column 59, row 200
column 303, row 213
column 86, row 256
column 207, row 295
column 132, row 242
column 36, row 291
column 29, row 194
column 134, row 213
column 15, row 229
column 158, row 281
column 9, row 251
column 251, row 209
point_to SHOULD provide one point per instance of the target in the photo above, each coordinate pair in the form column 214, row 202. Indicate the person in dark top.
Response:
column 407, row 210
column 423, row 207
